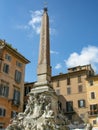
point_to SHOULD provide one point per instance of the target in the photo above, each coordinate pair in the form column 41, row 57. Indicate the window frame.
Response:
column 79, row 79
column 2, row 112
column 16, row 97
column 91, row 82
column 68, row 90
column 5, row 68
column 8, row 57
column 92, row 95
column 68, row 81
column 69, row 106
column 81, row 103
column 4, row 90
column 19, row 64
column 18, row 76
column 94, row 122
column 58, row 84
column 80, row 88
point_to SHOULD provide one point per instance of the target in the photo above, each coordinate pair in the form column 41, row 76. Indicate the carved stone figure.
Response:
column 48, row 113
column 37, row 116
column 28, row 127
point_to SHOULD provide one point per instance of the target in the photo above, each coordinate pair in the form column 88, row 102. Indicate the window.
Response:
column 2, row 112
column 80, row 88
column 18, row 64
column 13, row 114
column 4, row 90
column 17, row 76
column 79, row 79
column 16, row 97
column 90, row 73
column 81, row 103
column 68, row 81
column 69, row 106
column 68, row 90
column 92, row 95
column 6, row 68
column 91, row 82
column 93, row 109
column 8, row 57
column 58, row 83
column 74, row 69
column 94, row 122
column 27, row 90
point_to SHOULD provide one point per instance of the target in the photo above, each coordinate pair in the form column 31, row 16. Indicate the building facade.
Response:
column 12, row 72
column 72, row 91
column 74, row 94
column 92, row 97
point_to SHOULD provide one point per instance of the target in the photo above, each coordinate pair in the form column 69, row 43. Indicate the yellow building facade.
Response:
column 12, row 72
column 92, row 98
column 71, row 88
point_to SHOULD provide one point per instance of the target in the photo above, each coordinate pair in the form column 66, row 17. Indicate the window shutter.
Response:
column 78, row 103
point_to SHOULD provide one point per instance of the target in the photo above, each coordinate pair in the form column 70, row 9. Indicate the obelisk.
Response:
column 44, row 68
column 43, row 84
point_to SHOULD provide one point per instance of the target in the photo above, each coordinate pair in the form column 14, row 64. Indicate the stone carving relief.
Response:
column 38, row 115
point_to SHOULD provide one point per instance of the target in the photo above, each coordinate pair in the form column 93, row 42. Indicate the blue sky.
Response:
column 73, row 32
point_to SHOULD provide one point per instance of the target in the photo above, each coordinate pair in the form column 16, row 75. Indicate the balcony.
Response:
column 93, row 113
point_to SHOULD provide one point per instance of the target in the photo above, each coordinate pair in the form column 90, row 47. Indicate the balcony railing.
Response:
column 93, row 113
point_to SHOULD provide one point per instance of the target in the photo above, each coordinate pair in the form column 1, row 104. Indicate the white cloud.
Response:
column 35, row 20
column 53, row 52
column 88, row 55
column 58, row 66
column 35, row 23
